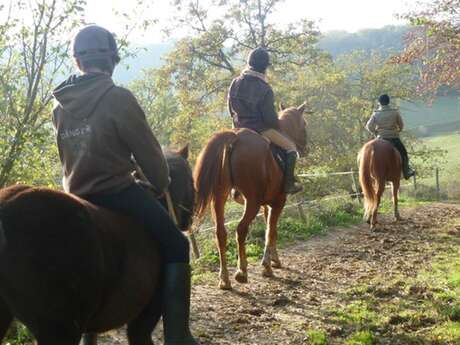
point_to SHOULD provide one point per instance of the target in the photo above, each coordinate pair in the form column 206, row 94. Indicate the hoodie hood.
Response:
column 79, row 95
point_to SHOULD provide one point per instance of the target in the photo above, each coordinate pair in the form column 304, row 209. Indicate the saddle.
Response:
column 280, row 156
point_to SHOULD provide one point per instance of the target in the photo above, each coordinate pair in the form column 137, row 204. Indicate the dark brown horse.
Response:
column 242, row 159
column 379, row 162
column 68, row 267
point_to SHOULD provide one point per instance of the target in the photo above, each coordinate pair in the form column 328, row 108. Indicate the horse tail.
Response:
column 212, row 169
column 366, row 158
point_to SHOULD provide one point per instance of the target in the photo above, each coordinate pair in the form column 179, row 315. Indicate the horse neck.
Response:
column 288, row 128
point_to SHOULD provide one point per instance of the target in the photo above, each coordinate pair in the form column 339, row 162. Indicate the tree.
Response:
column 434, row 45
column 201, row 66
column 33, row 53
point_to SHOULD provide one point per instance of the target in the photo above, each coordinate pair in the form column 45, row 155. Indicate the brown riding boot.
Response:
column 291, row 186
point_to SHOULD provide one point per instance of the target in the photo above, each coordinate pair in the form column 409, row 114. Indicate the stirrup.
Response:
column 293, row 188
column 409, row 174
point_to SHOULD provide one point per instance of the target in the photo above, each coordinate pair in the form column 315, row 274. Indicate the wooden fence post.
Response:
column 195, row 250
column 438, row 189
column 356, row 186
column 302, row 215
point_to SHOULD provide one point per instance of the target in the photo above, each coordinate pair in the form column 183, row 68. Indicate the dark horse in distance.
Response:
column 68, row 267
column 379, row 162
column 242, row 159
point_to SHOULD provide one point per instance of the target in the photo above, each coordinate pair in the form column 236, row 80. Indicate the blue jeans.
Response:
column 139, row 204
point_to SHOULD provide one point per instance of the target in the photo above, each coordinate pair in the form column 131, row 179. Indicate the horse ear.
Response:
column 184, row 152
column 282, row 107
column 302, row 107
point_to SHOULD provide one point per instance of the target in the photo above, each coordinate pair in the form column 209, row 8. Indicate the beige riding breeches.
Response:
column 279, row 139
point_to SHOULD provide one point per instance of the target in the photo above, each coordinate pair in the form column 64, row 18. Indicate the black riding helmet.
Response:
column 94, row 42
column 259, row 59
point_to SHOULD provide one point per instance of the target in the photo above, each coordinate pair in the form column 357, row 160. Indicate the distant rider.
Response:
column 386, row 123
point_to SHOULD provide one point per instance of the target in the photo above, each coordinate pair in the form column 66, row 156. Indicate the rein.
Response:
column 172, row 212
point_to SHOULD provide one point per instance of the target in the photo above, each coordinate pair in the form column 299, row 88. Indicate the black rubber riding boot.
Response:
column 407, row 171
column 176, row 305
column 291, row 186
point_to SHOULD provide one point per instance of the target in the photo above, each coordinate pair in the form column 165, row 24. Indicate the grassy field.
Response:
column 445, row 109
column 451, row 144
column 449, row 168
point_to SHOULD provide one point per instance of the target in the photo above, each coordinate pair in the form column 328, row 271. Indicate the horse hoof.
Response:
column 225, row 285
column 241, row 277
column 374, row 228
column 268, row 273
column 276, row 264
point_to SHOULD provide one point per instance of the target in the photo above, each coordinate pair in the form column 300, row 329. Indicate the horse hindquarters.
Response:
column 65, row 268
column 49, row 263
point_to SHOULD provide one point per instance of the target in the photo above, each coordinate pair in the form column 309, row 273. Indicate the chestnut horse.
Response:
column 242, row 159
column 379, row 162
column 68, row 267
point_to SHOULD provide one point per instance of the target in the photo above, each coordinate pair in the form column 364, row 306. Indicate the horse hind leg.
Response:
column 380, row 190
column 141, row 328
column 270, row 251
column 394, row 190
column 89, row 339
column 221, row 238
column 250, row 212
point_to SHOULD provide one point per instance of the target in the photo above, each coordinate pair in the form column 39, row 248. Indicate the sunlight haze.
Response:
column 329, row 15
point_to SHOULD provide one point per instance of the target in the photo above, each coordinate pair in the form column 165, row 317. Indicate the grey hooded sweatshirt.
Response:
column 98, row 127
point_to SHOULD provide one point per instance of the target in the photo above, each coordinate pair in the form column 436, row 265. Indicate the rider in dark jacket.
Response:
column 386, row 123
column 99, row 126
column 251, row 105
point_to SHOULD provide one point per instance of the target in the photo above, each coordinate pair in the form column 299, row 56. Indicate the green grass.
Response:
column 18, row 335
column 451, row 144
column 449, row 166
column 424, row 309
column 360, row 338
column 317, row 337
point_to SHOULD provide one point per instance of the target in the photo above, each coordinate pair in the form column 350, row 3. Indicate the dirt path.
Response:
column 316, row 280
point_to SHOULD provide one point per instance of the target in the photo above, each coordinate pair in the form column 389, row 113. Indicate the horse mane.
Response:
column 181, row 187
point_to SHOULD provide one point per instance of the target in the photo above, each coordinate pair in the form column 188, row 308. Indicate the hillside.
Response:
column 388, row 38
column 429, row 120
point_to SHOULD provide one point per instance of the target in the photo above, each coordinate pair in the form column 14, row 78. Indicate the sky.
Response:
column 348, row 15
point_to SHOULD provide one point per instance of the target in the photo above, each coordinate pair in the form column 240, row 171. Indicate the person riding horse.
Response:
column 99, row 127
column 386, row 123
column 251, row 105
